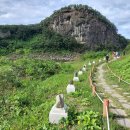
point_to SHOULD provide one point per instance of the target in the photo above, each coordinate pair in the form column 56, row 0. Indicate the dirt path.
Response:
column 118, row 103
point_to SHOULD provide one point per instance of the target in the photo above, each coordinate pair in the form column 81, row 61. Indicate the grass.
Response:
column 124, row 88
column 122, row 67
column 29, row 106
column 113, row 117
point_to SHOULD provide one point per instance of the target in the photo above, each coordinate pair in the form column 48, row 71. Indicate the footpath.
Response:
column 118, row 102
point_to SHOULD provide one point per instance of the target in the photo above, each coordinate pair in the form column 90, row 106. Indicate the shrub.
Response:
column 35, row 69
column 89, row 120
column 94, row 55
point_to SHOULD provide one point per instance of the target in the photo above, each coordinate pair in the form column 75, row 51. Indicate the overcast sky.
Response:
column 33, row 11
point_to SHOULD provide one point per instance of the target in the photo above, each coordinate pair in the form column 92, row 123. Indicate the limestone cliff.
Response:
column 58, row 32
column 88, row 26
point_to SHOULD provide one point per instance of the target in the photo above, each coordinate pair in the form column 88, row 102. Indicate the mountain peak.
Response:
column 86, row 25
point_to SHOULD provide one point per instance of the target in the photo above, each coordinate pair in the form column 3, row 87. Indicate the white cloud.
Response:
column 33, row 11
column 8, row 15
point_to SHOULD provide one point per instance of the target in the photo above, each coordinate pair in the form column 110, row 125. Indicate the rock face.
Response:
column 88, row 26
column 91, row 29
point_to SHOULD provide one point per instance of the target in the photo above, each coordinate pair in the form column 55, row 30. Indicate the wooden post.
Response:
column 94, row 90
column 119, row 79
column 105, row 104
column 90, row 81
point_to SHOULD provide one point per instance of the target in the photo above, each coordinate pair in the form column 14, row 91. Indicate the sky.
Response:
column 33, row 11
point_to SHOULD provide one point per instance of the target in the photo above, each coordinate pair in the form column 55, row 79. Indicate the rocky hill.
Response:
column 73, row 28
column 86, row 25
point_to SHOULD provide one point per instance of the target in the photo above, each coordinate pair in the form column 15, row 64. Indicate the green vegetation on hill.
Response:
column 127, row 49
column 54, row 41
column 41, row 37
column 122, row 68
column 21, row 32
column 33, row 38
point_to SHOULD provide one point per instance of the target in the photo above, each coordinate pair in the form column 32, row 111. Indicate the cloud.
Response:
column 2, row 13
column 33, row 11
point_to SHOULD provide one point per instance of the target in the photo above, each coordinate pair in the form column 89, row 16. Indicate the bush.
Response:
column 67, row 68
column 35, row 69
column 94, row 55
column 9, row 80
column 87, row 120
column 90, row 120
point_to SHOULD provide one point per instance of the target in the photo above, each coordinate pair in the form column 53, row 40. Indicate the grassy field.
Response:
column 28, row 91
column 120, row 68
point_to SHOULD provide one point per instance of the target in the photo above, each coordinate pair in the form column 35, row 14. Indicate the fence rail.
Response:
column 119, row 77
column 99, row 97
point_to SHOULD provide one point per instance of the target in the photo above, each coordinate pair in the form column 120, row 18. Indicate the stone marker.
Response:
column 100, row 60
column 84, row 68
column 76, row 78
column 80, row 72
column 89, row 63
column 58, row 111
column 70, row 88
column 93, row 62
column 85, row 65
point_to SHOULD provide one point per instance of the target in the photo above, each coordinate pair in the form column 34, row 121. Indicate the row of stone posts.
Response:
column 59, row 110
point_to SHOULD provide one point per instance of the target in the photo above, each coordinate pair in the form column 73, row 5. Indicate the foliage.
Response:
column 35, row 68
column 66, row 68
column 122, row 68
column 71, row 119
column 18, row 36
column 9, row 79
column 90, row 120
column 76, row 94
column 28, row 106
column 55, row 41
column 94, row 55
column 87, row 120
column 46, row 40
column 22, row 32
column 123, row 41
column 127, row 49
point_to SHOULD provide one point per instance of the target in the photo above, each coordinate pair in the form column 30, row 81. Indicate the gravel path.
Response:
column 122, row 117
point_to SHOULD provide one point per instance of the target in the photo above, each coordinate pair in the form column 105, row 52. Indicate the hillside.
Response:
column 74, row 28
column 87, row 26
column 38, row 62
column 122, row 66
column 29, row 87
column 34, row 38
